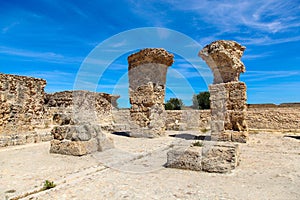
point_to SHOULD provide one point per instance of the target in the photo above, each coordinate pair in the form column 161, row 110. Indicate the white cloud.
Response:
column 7, row 28
column 254, row 76
column 42, row 56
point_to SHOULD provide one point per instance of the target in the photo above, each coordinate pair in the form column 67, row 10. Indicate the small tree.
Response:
column 201, row 100
column 174, row 104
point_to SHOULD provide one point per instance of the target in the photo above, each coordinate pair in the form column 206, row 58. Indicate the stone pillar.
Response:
column 227, row 94
column 147, row 70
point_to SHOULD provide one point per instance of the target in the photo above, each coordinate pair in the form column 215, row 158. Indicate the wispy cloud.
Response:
column 248, row 56
column 7, row 28
column 253, row 76
column 266, row 40
column 41, row 56
column 253, row 19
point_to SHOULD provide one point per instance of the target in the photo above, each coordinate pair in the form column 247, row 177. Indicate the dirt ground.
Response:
column 269, row 169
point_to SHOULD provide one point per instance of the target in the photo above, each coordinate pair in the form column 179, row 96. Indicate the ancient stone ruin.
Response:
column 78, row 117
column 21, row 110
column 147, row 72
column 221, row 157
column 21, row 102
column 227, row 94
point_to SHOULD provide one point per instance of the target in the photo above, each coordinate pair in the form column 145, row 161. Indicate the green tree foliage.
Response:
column 201, row 100
column 174, row 104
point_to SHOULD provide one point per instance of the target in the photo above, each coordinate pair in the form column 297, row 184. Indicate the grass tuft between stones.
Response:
column 197, row 144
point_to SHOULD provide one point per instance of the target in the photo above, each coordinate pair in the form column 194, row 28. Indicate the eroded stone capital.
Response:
column 150, row 55
column 223, row 57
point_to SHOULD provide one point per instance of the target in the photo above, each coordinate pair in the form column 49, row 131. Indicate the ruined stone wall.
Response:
column 81, row 106
column 281, row 118
column 260, row 117
column 198, row 120
column 21, row 103
column 22, row 110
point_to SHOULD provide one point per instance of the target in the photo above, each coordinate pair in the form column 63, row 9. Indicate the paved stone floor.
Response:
column 269, row 169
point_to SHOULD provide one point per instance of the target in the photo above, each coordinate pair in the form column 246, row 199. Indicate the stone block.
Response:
column 220, row 157
column 182, row 158
column 217, row 126
column 105, row 143
column 239, row 136
column 75, row 148
column 221, row 136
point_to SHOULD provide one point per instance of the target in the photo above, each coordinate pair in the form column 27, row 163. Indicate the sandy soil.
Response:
column 269, row 169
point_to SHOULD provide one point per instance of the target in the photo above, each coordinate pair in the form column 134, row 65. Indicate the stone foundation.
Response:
column 147, row 72
column 217, row 158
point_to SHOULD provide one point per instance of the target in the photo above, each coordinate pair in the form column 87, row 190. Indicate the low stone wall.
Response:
column 187, row 119
column 82, row 105
column 264, row 117
column 284, row 117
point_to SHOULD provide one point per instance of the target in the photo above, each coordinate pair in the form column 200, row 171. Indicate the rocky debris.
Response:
column 223, row 57
column 21, row 103
column 211, row 157
column 147, row 72
column 227, row 94
column 79, row 140
column 189, row 158
column 79, row 130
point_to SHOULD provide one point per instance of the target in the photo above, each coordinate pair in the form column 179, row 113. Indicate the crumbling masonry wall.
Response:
column 147, row 70
column 21, row 101
column 227, row 94
column 78, row 121
column 21, row 110
column 82, row 104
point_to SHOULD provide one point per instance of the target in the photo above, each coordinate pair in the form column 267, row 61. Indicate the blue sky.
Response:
column 55, row 40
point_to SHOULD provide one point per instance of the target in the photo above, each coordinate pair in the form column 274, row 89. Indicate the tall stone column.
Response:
column 147, row 71
column 227, row 94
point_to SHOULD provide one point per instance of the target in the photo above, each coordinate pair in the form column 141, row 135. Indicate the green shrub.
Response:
column 197, row 144
column 48, row 185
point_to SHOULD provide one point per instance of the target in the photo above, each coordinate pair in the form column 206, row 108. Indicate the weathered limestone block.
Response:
column 21, row 103
column 220, row 157
column 147, row 72
column 79, row 140
column 75, row 148
column 214, row 157
column 223, row 57
column 181, row 158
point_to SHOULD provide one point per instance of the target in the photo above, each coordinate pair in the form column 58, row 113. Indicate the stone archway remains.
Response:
column 227, row 93
column 147, row 71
